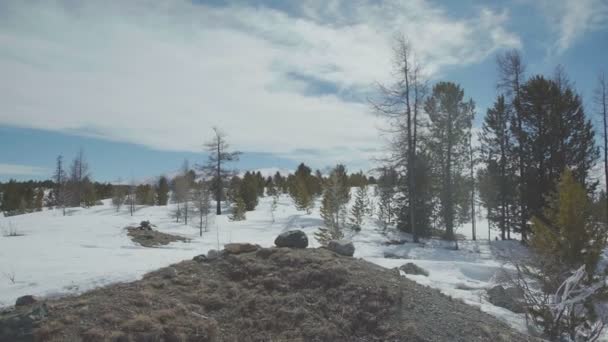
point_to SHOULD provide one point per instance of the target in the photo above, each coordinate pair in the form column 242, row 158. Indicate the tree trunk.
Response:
column 218, row 191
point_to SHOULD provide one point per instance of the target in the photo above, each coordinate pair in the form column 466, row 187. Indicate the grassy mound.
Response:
column 272, row 294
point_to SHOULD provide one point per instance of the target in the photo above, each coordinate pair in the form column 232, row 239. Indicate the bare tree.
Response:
column 472, row 169
column 131, row 197
column 511, row 77
column 400, row 105
column 60, row 178
column 219, row 155
column 601, row 100
column 79, row 171
column 118, row 195
column 202, row 205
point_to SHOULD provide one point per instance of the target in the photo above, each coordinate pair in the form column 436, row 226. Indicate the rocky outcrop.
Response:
column 342, row 247
column 292, row 238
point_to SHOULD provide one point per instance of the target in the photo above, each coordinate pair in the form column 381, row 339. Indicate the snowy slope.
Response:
column 90, row 248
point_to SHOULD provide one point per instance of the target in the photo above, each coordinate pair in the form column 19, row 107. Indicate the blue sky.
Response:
column 139, row 84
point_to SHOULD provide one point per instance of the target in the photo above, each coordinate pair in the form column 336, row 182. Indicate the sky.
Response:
column 139, row 84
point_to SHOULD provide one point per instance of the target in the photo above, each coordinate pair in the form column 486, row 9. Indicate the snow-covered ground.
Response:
column 89, row 248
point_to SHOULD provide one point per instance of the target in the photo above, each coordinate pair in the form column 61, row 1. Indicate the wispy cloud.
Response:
column 162, row 73
column 22, row 170
column 570, row 20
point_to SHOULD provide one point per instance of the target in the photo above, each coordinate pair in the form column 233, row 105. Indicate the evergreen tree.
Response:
column 499, row 183
column 302, row 188
column 423, row 199
column 449, row 118
column 202, row 205
column 386, row 191
column 162, row 191
column 359, row 208
column 336, row 196
column 239, row 210
column 271, row 188
column 249, row 190
column 215, row 168
column 558, row 136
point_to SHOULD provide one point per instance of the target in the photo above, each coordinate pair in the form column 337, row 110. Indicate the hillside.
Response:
column 88, row 248
column 272, row 294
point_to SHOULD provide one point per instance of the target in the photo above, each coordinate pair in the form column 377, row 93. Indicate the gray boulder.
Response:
column 341, row 247
column 510, row 298
column 411, row 268
column 200, row 258
column 25, row 300
column 293, row 239
column 19, row 324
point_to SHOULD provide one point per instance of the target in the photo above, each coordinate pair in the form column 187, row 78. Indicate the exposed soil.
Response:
column 272, row 294
column 152, row 238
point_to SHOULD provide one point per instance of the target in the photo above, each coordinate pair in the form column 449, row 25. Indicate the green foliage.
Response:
column 239, row 210
column 359, row 208
column 450, row 118
column 325, row 234
column 336, row 195
column 385, row 191
column 303, row 187
column 423, row 194
column 249, row 189
column 162, row 191
column 567, row 231
column 145, row 195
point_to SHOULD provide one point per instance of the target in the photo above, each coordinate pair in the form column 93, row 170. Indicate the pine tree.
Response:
column 449, row 118
column 386, row 191
column 303, row 188
column 336, row 196
column 566, row 232
column 162, row 191
column 249, row 190
column 215, row 168
column 202, row 205
column 499, row 187
column 359, row 208
column 60, row 193
column 239, row 210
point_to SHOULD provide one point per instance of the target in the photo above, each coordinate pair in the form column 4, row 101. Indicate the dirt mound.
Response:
column 152, row 238
column 273, row 294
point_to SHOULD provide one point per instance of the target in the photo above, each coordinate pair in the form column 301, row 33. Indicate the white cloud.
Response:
column 161, row 74
column 22, row 170
column 570, row 19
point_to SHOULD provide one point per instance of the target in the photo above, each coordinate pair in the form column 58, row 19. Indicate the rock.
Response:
column 200, row 258
column 25, row 300
column 411, row 268
column 213, row 254
column 168, row 272
column 145, row 225
column 390, row 255
column 510, row 298
column 19, row 325
column 293, row 239
column 238, row 248
column 394, row 242
column 341, row 247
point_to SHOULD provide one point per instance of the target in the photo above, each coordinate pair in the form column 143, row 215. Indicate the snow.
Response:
column 59, row 255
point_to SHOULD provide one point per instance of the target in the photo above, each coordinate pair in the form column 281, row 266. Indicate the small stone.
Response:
column 238, row 248
column 341, row 247
column 411, row 268
column 292, row 238
column 200, row 258
column 25, row 300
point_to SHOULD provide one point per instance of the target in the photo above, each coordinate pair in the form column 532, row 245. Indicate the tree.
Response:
column 273, row 205
column 162, row 191
column 303, row 187
column 219, row 155
column 511, row 71
column 60, row 194
column 181, row 196
column 601, row 101
column 239, row 210
column 39, row 202
column 79, row 170
column 118, row 196
column 89, row 196
column 498, row 192
column 131, row 197
column 450, row 119
column 249, row 190
column 359, row 208
column 271, row 187
column 400, row 105
column 568, row 242
column 558, row 135
column 385, row 191
column 423, row 195
column 202, row 204
column 336, row 195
